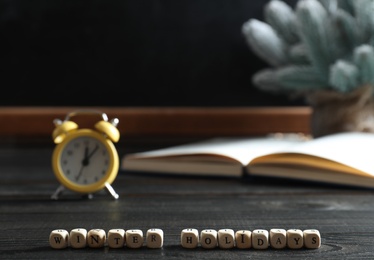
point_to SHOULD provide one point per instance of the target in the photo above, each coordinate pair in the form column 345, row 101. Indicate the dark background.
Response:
column 130, row 53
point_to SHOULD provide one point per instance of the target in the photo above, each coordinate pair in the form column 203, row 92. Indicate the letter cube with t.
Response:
column 278, row 239
column 96, row 238
column 295, row 238
column 190, row 238
column 134, row 238
column 116, row 238
column 78, row 238
column 312, row 238
column 154, row 238
column 208, row 238
column 260, row 239
column 226, row 238
column 59, row 238
column 243, row 239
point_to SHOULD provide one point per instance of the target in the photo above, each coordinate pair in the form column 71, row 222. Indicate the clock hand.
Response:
column 84, row 163
column 86, row 159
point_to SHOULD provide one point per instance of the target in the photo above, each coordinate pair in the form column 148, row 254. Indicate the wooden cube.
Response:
column 208, row 238
column 243, row 239
column 59, row 238
column 154, row 238
column 260, row 239
column 189, row 238
column 134, row 238
column 295, row 238
column 116, row 238
column 226, row 238
column 96, row 238
column 78, row 238
column 278, row 238
column 312, row 238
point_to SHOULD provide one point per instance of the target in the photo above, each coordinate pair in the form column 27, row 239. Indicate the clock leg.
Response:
column 59, row 190
column 111, row 191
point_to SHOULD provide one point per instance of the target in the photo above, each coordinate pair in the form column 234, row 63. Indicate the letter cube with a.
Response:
column 134, row 238
column 312, row 238
column 260, row 239
column 59, row 238
column 208, row 238
column 116, row 238
column 226, row 238
column 154, row 238
column 96, row 238
column 295, row 238
column 78, row 238
column 243, row 239
column 190, row 238
column 278, row 238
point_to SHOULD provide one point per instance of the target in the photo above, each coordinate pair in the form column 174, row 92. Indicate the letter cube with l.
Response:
column 208, row 238
column 260, row 239
column 78, row 238
column 295, row 238
column 154, row 238
column 59, row 238
column 190, row 238
column 243, row 239
column 226, row 238
column 312, row 238
column 116, row 238
column 278, row 238
column 134, row 238
column 96, row 238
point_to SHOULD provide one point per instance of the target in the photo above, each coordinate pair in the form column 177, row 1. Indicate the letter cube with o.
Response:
column 190, row 238
column 312, row 238
column 134, row 238
column 59, row 238
column 295, row 238
column 116, row 238
column 243, row 239
column 78, row 238
column 96, row 238
column 226, row 238
column 260, row 239
column 208, row 238
column 154, row 238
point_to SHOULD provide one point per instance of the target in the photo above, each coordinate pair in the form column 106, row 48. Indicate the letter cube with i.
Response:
column 59, row 238
column 208, row 238
column 295, row 238
column 226, row 238
column 190, row 238
column 154, row 238
column 116, row 238
column 312, row 238
column 134, row 238
column 243, row 239
column 278, row 239
column 260, row 239
column 78, row 238
column 96, row 238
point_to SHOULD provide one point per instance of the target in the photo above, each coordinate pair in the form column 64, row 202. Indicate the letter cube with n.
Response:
column 295, row 238
column 260, row 239
column 226, row 238
column 312, row 238
column 59, row 238
column 190, row 238
column 116, row 238
column 96, row 238
column 208, row 238
column 78, row 238
column 154, row 238
column 134, row 238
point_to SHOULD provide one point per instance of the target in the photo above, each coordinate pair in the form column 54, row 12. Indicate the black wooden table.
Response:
column 343, row 215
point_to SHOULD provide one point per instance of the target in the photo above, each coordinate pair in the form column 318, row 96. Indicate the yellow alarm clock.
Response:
column 85, row 160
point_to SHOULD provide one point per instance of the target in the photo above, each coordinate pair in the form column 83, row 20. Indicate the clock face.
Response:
column 85, row 160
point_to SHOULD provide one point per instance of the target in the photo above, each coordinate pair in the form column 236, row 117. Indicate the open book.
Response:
column 342, row 158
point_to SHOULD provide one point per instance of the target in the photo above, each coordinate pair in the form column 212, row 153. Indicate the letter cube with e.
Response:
column 278, row 238
column 243, row 239
column 226, row 238
column 295, row 238
column 134, row 238
column 59, row 238
column 116, row 238
column 154, row 238
column 208, row 238
column 190, row 238
column 260, row 239
column 96, row 238
column 312, row 238
column 78, row 238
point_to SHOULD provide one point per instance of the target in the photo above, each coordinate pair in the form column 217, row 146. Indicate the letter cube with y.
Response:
column 312, row 238
column 190, row 238
column 154, row 238
column 208, row 238
column 116, row 238
column 226, row 238
column 260, row 239
column 295, row 238
column 278, row 238
column 243, row 239
column 59, row 238
column 96, row 238
column 78, row 238
column 134, row 238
